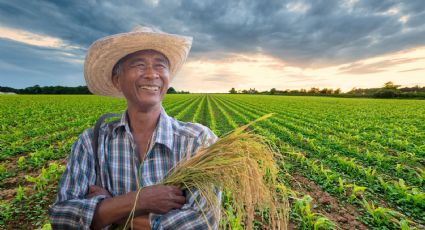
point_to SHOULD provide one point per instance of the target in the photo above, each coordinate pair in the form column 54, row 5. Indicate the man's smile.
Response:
column 153, row 88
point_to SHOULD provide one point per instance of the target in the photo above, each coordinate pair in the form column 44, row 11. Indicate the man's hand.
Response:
column 160, row 199
column 141, row 223
column 95, row 190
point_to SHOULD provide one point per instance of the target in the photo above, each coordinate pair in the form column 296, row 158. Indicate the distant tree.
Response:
column 7, row 89
column 337, row 91
column 252, row 91
column 54, row 90
column 386, row 93
column 171, row 90
column 314, row 90
column 273, row 91
column 391, row 85
column 352, row 91
column 233, row 91
column 303, row 91
column 326, row 91
column 390, row 90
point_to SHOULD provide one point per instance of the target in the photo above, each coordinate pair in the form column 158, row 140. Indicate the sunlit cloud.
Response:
column 153, row 3
column 32, row 38
column 60, row 49
column 265, row 72
column 404, row 19
column 297, row 7
column 410, row 70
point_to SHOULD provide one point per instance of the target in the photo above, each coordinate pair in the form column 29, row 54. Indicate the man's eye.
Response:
column 160, row 66
column 137, row 63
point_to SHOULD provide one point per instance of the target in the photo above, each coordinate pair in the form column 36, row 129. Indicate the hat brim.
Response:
column 106, row 52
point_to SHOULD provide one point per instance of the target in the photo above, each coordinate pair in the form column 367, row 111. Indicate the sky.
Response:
column 278, row 44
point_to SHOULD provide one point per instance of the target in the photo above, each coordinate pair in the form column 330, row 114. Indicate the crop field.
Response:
column 346, row 163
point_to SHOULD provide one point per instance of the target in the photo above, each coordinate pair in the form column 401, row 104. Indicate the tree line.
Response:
column 36, row 89
column 388, row 90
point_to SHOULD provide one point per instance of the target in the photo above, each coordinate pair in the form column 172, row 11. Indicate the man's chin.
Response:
column 147, row 105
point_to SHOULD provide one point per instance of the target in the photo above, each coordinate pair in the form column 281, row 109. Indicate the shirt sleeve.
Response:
column 195, row 214
column 71, row 209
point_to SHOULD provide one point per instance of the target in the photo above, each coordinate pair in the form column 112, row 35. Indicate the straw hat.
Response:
column 104, row 53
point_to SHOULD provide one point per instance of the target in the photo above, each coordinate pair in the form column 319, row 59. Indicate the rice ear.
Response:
column 241, row 163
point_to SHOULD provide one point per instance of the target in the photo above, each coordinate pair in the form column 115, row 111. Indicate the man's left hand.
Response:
column 141, row 223
column 95, row 190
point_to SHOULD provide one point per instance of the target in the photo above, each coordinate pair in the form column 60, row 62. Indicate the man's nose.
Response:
column 150, row 72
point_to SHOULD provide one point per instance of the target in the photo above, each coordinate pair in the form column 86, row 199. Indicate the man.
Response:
column 135, row 153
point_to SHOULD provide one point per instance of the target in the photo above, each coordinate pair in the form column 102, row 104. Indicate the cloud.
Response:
column 38, row 66
column 375, row 67
column 411, row 70
column 299, row 33
column 30, row 38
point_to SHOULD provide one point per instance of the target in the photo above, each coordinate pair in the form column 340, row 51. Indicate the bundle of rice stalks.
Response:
column 240, row 163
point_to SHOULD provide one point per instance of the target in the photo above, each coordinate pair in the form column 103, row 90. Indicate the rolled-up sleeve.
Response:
column 71, row 209
column 196, row 213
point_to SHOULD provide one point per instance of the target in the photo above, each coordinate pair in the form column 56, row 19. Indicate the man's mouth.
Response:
column 149, row 87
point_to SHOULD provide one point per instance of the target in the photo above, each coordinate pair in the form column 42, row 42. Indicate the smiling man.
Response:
column 135, row 153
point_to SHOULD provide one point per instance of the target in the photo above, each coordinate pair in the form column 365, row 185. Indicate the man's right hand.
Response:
column 160, row 199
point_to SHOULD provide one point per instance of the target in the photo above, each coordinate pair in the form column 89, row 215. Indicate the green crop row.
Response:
column 369, row 153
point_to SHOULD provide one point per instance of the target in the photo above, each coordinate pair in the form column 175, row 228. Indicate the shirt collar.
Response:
column 163, row 133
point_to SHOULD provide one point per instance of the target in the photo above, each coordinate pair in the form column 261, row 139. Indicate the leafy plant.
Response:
column 52, row 173
column 381, row 215
column 20, row 193
column 21, row 162
column 355, row 191
column 307, row 218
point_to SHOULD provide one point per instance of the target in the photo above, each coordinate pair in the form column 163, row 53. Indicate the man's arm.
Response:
column 157, row 198
column 73, row 210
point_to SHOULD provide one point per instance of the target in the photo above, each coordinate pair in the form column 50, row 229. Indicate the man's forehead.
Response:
column 143, row 53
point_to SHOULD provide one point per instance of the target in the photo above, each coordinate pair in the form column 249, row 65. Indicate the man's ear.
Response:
column 116, row 82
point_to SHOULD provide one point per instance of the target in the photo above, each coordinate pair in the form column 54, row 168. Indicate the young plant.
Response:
column 398, row 168
column 20, row 193
column 309, row 219
column 404, row 224
column 370, row 174
column 323, row 223
column 52, row 173
column 341, row 185
column 420, row 173
column 381, row 215
column 355, row 191
column 21, row 162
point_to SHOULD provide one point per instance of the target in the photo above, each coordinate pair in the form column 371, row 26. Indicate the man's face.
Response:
column 144, row 78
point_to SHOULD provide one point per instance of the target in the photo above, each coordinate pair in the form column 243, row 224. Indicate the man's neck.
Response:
column 143, row 121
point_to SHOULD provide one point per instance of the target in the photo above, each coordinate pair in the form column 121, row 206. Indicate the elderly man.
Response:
column 135, row 153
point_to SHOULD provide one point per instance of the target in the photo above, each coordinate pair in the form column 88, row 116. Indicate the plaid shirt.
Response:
column 119, row 164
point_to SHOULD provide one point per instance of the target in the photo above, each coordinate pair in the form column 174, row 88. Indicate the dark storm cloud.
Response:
column 25, row 65
column 303, row 33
